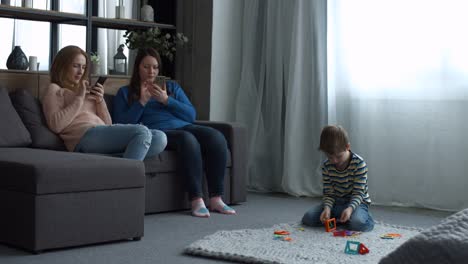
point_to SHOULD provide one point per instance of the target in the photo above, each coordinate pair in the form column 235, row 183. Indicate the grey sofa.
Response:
column 51, row 198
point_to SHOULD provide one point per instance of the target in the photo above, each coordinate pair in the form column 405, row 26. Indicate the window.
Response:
column 32, row 36
column 72, row 35
column 73, row 6
column 35, row 37
column 400, row 49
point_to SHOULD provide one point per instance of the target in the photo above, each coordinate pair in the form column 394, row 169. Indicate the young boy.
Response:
column 345, row 195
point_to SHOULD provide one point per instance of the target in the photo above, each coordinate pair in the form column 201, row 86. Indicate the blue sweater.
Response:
column 177, row 113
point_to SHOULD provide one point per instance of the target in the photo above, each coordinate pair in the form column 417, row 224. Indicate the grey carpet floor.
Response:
column 167, row 234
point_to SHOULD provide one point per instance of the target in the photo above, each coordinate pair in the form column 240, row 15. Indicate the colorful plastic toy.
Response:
column 346, row 233
column 281, row 232
column 282, row 238
column 330, row 225
column 341, row 233
column 390, row 236
column 282, row 235
column 363, row 249
column 352, row 247
column 355, row 247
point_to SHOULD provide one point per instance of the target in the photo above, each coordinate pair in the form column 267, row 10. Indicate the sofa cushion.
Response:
column 166, row 161
column 109, row 98
column 13, row 133
column 30, row 110
column 41, row 171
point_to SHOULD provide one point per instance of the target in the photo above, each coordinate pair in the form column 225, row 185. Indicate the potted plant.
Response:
column 95, row 62
column 164, row 43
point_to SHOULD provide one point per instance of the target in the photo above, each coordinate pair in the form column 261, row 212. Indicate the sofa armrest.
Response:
column 236, row 137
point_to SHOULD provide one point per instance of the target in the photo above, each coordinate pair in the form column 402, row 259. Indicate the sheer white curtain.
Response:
column 282, row 96
column 398, row 81
column 109, row 39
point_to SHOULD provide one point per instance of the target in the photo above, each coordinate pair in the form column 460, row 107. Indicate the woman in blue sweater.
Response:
column 167, row 108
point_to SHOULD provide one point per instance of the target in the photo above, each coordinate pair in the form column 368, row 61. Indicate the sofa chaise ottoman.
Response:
column 50, row 198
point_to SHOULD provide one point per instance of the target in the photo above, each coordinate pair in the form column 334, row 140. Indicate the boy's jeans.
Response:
column 134, row 141
column 360, row 220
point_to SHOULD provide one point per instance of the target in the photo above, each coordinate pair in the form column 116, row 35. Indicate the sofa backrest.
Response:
column 22, row 111
column 23, row 123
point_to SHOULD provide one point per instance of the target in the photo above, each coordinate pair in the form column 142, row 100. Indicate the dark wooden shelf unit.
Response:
column 125, row 24
column 42, row 15
column 92, row 22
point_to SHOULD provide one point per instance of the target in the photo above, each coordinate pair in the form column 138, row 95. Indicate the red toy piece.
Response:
column 281, row 232
column 346, row 233
column 341, row 233
column 363, row 249
column 330, row 225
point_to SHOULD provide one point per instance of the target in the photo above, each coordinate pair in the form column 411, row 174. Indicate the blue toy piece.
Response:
column 352, row 247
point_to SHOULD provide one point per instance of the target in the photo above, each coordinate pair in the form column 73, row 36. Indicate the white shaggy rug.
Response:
column 308, row 245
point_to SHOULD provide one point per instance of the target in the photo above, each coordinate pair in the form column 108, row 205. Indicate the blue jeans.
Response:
column 130, row 141
column 360, row 220
column 197, row 147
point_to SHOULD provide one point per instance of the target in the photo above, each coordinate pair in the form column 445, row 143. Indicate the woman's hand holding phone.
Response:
column 97, row 93
column 145, row 93
column 159, row 93
column 160, row 81
column 153, row 89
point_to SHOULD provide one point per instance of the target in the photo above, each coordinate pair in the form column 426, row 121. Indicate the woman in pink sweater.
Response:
column 79, row 114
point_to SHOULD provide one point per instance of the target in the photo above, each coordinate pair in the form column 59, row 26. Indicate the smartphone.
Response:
column 160, row 81
column 101, row 80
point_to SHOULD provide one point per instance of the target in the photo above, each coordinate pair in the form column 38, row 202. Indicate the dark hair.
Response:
column 333, row 139
column 62, row 63
column 134, row 87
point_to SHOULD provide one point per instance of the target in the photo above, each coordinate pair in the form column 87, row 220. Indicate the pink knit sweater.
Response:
column 70, row 115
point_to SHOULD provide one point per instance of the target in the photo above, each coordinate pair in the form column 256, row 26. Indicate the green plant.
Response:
column 164, row 43
column 94, row 57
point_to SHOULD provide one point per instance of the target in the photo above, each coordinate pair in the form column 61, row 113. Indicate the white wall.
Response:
column 225, row 58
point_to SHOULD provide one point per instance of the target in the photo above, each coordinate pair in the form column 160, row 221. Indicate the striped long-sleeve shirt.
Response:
column 350, row 183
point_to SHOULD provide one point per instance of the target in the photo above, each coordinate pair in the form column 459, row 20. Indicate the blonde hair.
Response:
column 62, row 63
column 333, row 139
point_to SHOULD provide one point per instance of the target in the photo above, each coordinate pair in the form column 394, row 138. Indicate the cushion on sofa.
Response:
column 13, row 133
column 30, row 110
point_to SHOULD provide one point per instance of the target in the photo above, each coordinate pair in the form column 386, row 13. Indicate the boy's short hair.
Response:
column 333, row 139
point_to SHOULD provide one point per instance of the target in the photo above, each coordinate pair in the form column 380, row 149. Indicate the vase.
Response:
column 119, row 12
column 94, row 68
column 33, row 63
column 147, row 13
column 27, row 3
column 17, row 60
